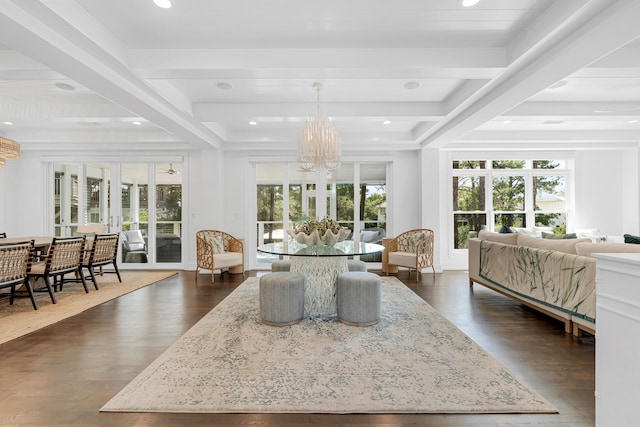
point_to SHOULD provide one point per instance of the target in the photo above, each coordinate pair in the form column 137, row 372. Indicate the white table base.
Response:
column 320, row 274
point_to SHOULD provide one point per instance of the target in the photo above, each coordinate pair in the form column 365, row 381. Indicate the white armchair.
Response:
column 412, row 249
column 217, row 250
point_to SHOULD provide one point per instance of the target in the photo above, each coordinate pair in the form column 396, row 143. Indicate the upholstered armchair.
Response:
column 217, row 250
column 412, row 249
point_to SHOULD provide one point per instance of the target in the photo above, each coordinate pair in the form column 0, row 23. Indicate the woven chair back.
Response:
column 15, row 261
column 65, row 253
column 104, row 249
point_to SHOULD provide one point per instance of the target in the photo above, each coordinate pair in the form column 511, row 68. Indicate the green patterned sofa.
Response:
column 555, row 277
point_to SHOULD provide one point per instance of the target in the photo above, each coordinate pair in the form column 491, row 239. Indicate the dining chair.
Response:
column 104, row 251
column 64, row 256
column 3, row 235
column 15, row 264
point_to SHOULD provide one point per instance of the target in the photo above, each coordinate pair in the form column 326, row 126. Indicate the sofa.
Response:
column 372, row 235
column 554, row 276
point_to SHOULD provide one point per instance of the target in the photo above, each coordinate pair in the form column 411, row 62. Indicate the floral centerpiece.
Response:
column 319, row 232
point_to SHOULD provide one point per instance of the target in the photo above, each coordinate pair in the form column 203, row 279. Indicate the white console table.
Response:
column 617, row 340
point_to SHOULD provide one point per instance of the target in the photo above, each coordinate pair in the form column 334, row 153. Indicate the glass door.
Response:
column 140, row 201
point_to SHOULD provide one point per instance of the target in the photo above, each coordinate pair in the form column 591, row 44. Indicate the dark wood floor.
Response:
column 63, row 374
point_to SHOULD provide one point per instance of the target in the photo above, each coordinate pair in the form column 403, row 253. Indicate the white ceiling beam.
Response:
column 590, row 110
column 220, row 112
column 533, row 136
column 600, row 28
column 58, row 37
column 301, row 59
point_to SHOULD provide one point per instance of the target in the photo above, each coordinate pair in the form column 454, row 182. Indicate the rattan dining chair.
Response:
column 64, row 256
column 104, row 251
column 15, row 263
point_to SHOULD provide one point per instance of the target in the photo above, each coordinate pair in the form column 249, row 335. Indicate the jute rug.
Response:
column 413, row 361
column 20, row 318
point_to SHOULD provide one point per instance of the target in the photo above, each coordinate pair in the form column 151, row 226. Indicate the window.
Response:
column 508, row 193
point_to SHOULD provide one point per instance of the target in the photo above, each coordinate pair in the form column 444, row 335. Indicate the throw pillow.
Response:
column 559, row 236
column 505, row 229
column 414, row 241
column 217, row 244
column 630, row 238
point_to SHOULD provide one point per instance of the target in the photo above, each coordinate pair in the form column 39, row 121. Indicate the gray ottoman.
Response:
column 359, row 298
column 282, row 265
column 355, row 265
column 281, row 298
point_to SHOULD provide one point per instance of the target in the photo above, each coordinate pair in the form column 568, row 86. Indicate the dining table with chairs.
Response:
column 51, row 259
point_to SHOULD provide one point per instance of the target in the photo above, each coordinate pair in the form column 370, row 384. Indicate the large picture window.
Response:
column 355, row 195
column 507, row 194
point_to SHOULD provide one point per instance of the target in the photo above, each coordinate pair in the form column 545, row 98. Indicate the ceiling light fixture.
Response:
column 165, row 4
column 9, row 150
column 8, row 123
column 319, row 143
column 64, row 86
column 411, row 85
column 137, row 123
column 253, row 123
column 632, row 121
column 386, row 122
column 224, row 86
column 470, row 3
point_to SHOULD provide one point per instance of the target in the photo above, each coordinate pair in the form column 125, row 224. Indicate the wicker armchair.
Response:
column 412, row 249
column 217, row 250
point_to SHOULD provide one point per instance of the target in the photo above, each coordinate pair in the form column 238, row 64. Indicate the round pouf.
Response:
column 281, row 298
column 359, row 298
column 355, row 265
column 282, row 265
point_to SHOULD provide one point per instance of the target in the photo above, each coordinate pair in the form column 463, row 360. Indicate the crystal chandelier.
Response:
column 319, row 143
column 9, row 150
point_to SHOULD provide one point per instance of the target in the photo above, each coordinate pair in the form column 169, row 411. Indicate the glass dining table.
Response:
column 320, row 265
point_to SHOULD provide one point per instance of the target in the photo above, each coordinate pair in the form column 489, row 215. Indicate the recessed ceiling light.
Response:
column 552, row 122
column 7, row 123
column 386, row 122
column 470, row 3
column 507, row 121
column 64, row 86
column 632, row 121
column 137, row 123
column 224, row 86
column 165, row 4
column 411, row 85
column 253, row 123
column 558, row 84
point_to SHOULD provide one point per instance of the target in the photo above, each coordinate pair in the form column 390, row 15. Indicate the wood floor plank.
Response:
column 63, row 374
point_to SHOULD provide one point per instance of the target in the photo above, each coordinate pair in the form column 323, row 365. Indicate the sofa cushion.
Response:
column 508, row 238
column 367, row 236
column 588, row 248
column 563, row 245
column 557, row 236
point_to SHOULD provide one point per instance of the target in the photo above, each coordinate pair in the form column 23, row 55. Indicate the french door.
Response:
column 140, row 201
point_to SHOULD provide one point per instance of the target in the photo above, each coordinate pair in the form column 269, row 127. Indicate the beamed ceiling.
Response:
column 525, row 74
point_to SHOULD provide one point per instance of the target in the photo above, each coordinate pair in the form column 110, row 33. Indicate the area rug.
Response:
column 20, row 318
column 413, row 361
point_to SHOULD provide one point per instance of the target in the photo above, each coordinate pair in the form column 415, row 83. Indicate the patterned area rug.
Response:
column 413, row 361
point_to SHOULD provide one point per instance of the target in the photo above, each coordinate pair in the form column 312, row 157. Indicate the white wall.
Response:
column 606, row 191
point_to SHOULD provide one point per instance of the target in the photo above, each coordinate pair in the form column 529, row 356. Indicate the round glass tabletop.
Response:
column 344, row 248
